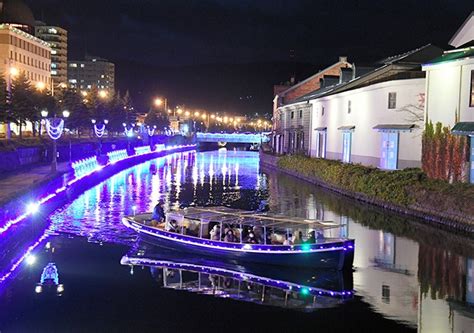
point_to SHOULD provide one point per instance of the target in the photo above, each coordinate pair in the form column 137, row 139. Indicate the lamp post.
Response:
column 128, row 133
column 66, row 115
column 54, row 127
column 161, row 101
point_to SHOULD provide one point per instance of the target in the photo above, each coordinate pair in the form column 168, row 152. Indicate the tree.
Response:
column 130, row 112
column 79, row 116
column 21, row 101
column 154, row 118
column 4, row 116
column 117, row 114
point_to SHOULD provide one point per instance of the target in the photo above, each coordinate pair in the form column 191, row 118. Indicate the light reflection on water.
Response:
column 200, row 178
column 414, row 274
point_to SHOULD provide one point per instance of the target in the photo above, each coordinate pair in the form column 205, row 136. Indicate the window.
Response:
column 386, row 294
column 349, row 107
column 73, row 65
column 389, row 156
column 392, row 100
column 471, row 97
column 292, row 114
column 322, row 111
column 301, row 113
column 321, row 137
column 53, row 65
column 346, row 146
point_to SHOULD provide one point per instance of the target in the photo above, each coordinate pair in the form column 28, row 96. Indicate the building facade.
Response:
column 369, row 116
column 372, row 125
column 91, row 72
column 450, row 89
column 291, row 120
column 57, row 39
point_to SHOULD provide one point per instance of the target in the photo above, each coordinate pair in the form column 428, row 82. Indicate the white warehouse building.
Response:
column 374, row 118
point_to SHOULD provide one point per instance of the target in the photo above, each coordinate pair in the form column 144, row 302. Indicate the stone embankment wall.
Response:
column 443, row 205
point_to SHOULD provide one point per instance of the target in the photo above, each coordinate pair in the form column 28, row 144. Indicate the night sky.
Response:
column 215, row 54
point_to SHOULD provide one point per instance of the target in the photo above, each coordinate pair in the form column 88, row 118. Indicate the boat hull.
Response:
column 338, row 255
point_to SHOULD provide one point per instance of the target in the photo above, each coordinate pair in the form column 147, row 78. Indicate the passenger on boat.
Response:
column 312, row 237
column 159, row 212
column 320, row 236
column 215, row 233
column 173, row 226
column 298, row 238
column 230, row 237
column 287, row 240
column 251, row 239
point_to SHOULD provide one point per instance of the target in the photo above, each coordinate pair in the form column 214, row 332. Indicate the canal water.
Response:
column 407, row 276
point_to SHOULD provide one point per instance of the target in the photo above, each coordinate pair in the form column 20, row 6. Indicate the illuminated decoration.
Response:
column 32, row 208
column 232, row 137
column 85, row 166
column 128, row 131
column 60, row 190
column 117, row 155
column 30, row 259
column 99, row 131
column 151, row 130
column 49, row 278
column 55, row 127
column 159, row 147
column 142, row 150
column 50, row 273
column 27, row 254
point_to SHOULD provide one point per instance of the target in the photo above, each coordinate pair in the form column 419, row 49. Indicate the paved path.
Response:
column 16, row 183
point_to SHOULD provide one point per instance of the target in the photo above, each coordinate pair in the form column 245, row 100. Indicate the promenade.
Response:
column 13, row 184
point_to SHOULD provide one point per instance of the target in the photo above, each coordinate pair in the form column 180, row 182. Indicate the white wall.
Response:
column 448, row 92
column 369, row 107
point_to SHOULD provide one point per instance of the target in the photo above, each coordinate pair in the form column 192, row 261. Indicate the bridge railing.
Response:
column 232, row 137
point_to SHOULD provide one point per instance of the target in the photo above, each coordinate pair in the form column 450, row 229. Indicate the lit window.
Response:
column 54, row 72
column 72, row 80
column 392, row 100
column 53, row 51
column 52, row 31
column 82, row 65
column 102, row 76
column 53, row 65
column 72, row 65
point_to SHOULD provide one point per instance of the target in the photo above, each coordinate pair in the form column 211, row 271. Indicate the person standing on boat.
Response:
column 159, row 212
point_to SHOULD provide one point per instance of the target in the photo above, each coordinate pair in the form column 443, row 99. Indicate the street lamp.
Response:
column 55, row 130
column 66, row 115
column 99, row 132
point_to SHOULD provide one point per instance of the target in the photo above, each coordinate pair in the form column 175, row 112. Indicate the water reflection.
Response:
column 188, row 178
column 301, row 289
column 403, row 269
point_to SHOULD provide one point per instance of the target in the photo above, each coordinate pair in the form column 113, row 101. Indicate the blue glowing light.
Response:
column 33, row 208
column 306, row 247
column 117, row 155
column 85, row 166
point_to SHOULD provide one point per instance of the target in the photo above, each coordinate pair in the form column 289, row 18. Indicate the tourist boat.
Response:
column 203, row 231
column 300, row 289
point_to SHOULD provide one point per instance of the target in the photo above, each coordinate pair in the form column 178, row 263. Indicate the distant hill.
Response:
column 235, row 88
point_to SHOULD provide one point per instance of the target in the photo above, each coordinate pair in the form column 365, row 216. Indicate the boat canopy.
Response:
column 249, row 218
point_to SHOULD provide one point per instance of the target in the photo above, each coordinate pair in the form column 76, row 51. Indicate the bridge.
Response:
column 252, row 138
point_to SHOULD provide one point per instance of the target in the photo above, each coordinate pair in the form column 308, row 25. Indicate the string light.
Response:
column 99, row 131
column 151, row 130
column 54, row 131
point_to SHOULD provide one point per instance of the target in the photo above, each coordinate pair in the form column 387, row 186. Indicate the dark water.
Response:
column 407, row 276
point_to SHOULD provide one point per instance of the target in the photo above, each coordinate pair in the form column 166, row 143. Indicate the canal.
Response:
column 407, row 276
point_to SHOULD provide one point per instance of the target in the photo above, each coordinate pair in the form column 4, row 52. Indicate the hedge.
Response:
column 406, row 188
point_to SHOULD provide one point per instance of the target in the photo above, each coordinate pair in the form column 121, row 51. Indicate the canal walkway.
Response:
column 16, row 183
